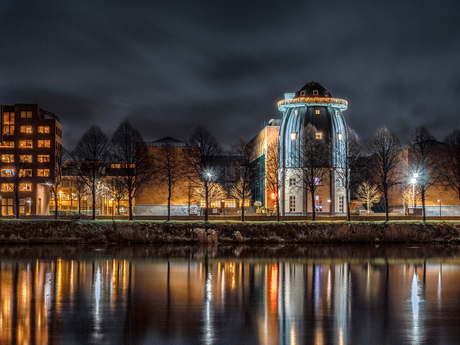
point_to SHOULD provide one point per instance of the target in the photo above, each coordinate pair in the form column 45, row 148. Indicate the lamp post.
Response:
column 330, row 211
column 413, row 180
column 112, row 208
column 223, row 207
column 440, row 210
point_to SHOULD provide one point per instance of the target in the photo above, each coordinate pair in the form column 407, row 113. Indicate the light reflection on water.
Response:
column 226, row 300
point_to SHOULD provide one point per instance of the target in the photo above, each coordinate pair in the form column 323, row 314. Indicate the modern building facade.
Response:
column 311, row 105
column 31, row 146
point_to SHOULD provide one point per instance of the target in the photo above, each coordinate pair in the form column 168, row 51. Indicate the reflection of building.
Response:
column 314, row 105
column 31, row 145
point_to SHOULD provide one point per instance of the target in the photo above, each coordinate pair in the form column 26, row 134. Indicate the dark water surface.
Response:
column 271, row 294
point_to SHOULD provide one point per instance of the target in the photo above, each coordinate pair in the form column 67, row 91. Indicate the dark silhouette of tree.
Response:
column 204, row 160
column 170, row 169
column 56, row 178
column 385, row 148
column 349, row 163
column 451, row 161
column 271, row 173
column 246, row 168
column 136, row 164
column 424, row 158
column 90, row 157
column 313, row 162
column 19, row 176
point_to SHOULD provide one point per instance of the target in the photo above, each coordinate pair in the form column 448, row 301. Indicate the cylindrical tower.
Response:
column 314, row 105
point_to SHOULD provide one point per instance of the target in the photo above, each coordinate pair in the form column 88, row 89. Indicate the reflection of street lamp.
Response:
column 330, row 211
column 440, row 213
column 413, row 180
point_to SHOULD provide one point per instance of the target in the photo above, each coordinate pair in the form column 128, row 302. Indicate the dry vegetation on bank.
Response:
column 151, row 232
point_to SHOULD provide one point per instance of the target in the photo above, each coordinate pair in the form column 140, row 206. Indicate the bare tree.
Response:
column 90, row 156
column 171, row 169
column 56, row 178
column 272, row 174
column 368, row 194
column 406, row 196
column 118, row 191
column 216, row 192
column 348, row 155
column 18, row 178
column 313, row 162
column 385, row 162
column 243, row 161
column 451, row 161
column 424, row 160
column 136, row 164
column 203, row 158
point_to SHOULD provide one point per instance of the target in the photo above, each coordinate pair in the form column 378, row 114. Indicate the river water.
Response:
column 270, row 294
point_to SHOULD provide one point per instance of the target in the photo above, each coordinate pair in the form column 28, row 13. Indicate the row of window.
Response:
column 24, row 172
column 228, row 203
column 317, row 112
column 318, row 203
column 26, row 158
column 319, row 135
column 23, row 187
column 24, row 206
column 28, row 144
column 293, row 181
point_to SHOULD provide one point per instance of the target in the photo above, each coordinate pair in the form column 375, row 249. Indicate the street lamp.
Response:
column 413, row 180
column 223, row 206
column 440, row 211
column 330, row 211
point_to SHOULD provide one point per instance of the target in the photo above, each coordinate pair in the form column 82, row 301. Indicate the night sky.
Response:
column 170, row 66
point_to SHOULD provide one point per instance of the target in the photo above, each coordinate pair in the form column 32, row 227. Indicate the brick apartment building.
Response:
column 31, row 145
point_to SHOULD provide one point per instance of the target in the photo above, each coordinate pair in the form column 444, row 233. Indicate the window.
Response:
column 315, row 92
column 24, row 206
column 7, row 206
column 43, row 172
column 295, row 112
column 230, row 203
column 317, row 111
column 327, row 93
column 292, row 182
column 25, row 129
column 115, row 166
column 6, row 172
column 25, row 144
column 302, row 93
column 341, row 204
column 8, row 123
column 25, row 158
column 340, row 182
column 44, row 143
column 318, row 181
column 25, row 172
column 26, row 114
column 339, row 136
column 292, row 203
column 7, row 187
column 43, row 158
column 319, row 135
column 44, row 129
column 319, row 203
column 7, row 144
column 25, row 187
column 337, row 112
column 293, row 135
column 8, row 158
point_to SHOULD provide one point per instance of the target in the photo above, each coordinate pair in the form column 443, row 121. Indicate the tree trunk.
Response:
column 348, row 205
column 387, row 216
column 56, row 203
column 169, row 202
column 206, row 201
column 242, row 207
column 94, row 201
column 277, row 209
column 130, row 205
column 422, row 191
column 313, row 207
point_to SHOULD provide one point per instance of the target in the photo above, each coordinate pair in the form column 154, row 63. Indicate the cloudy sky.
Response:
column 170, row 66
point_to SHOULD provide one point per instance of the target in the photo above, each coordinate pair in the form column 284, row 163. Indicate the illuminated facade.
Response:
column 32, row 144
column 314, row 105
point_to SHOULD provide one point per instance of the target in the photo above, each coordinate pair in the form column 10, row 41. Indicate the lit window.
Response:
column 25, row 187
column 44, row 143
column 115, row 166
column 25, row 172
column 43, row 158
column 43, row 129
column 317, row 111
column 7, row 187
column 337, row 112
column 292, row 182
column 43, row 172
column 295, row 112
column 7, row 172
column 292, row 203
column 293, row 135
column 26, row 144
column 7, row 144
column 319, row 135
column 8, row 158
column 25, row 158
column 318, row 181
column 8, row 123
column 25, row 129
column 26, row 114
column 340, row 182
column 319, row 203
column 340, row 136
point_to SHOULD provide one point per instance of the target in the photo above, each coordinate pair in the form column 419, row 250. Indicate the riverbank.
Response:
column 152, row 232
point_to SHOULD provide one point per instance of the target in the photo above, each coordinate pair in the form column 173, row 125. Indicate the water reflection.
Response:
column 206, row 300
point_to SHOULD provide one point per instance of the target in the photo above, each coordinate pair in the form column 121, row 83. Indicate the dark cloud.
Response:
column 170, row 66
